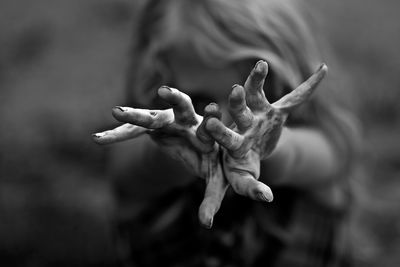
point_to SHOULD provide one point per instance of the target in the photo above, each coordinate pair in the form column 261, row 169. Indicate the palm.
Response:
column 180, row 132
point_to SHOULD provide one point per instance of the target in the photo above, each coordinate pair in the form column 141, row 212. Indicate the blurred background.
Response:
column 63, row 66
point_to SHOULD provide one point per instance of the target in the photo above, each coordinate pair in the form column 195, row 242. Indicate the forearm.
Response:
column 303, row 157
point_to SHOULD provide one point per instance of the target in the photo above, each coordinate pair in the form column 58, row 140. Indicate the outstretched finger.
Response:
column 245, row 184
column 223, row 135
column 254, row 85
column 213, row 196
column 121, row 133
column 181, row 105
column 238, row 109
column 152, row 119
column 302, row 92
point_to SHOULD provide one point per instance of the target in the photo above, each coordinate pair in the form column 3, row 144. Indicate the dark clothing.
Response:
column 291, row 231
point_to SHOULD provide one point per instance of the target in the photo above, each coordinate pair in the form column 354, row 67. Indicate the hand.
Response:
column 181, row 133
column 256, row 130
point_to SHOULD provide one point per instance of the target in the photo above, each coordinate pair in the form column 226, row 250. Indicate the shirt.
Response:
column 293, row 230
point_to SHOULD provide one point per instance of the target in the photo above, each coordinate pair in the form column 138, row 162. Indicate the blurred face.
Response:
column 202, row 82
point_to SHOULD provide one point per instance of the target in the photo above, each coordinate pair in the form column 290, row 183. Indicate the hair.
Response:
column 228, row 31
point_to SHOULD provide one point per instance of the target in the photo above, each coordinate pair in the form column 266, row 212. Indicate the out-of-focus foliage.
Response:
column 62, row 66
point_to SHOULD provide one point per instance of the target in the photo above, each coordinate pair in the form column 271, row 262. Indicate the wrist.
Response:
column 275, row 169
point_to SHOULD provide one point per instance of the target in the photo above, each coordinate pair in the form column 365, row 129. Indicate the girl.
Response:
column 203, row 48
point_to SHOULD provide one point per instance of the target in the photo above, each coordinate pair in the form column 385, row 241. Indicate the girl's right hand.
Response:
column 181, row 133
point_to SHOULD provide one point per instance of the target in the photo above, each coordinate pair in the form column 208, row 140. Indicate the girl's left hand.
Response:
column 256, row 130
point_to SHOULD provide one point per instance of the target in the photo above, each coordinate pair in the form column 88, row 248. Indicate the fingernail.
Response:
column 164, row 91
column 235, row 89
column 212, row 110
column 98, row 135
column 210, row 223
column 207, row 223
column 120, row 108
column 260, row 67
column 263, row 193
column 211, row 107
column 166, row 87
column 258, row 64
column 264, row 197
column 323, row 65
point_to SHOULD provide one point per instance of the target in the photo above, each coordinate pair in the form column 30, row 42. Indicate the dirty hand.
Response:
column 180, row 132
column 256, row 129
